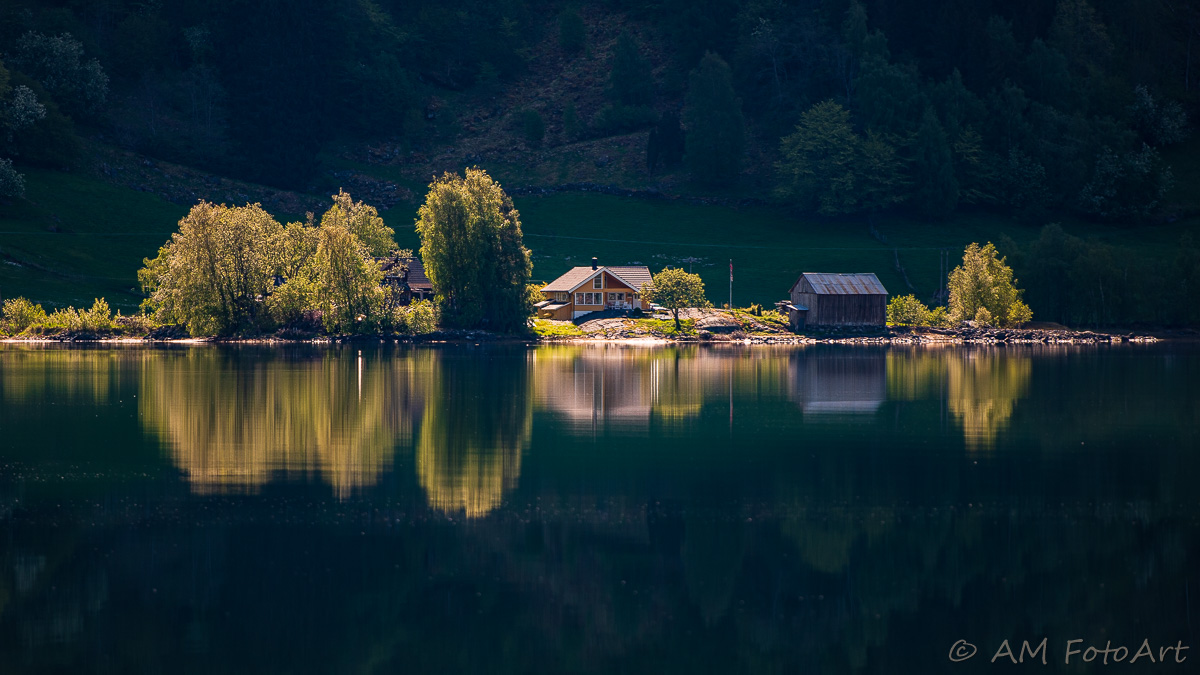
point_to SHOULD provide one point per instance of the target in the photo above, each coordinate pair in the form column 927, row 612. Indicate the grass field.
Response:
column 76, row 238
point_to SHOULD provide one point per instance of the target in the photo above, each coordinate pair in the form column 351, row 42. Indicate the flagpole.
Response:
column 731, row 284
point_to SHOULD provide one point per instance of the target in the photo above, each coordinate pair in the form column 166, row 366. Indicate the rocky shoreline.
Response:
column 889, row 336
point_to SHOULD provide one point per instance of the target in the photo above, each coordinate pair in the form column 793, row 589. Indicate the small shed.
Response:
column 824, row 299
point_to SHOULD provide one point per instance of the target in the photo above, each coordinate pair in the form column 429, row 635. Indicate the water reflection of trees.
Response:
column 234, row 419
column 38, row 374
column 980, row 387
column 478, row 420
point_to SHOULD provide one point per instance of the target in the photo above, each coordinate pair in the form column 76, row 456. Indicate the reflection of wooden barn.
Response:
column 838, row 382
column 822, row 299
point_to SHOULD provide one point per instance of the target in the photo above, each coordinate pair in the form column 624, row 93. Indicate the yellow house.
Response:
column 593, row 289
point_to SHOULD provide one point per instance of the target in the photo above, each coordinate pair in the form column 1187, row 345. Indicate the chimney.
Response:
column 594, row 261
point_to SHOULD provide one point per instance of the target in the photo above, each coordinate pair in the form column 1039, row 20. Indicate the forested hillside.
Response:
column 1032, row 111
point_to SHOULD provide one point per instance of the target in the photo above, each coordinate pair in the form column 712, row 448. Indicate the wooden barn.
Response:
column 821, row 300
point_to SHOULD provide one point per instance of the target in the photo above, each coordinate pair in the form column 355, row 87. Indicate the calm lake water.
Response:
column 597, row 509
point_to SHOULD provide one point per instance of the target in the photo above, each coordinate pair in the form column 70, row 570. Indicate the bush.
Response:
column 907, row 310
column 12, row 184
column 573, row 127
column 571, row 31
column 533, row 127
column 19, row 314
column 61, row 319
column 135, row 324
column 939, row 316
column 616, row 118
column 98, row 318
column 421, row 317
column 983, row 317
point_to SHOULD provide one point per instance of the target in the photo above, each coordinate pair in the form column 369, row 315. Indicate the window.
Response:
column 598, row 282
column 562, row 297
column 579, row 298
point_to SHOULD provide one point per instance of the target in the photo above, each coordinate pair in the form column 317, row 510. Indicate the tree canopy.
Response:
column 473, row 252
column 236, row 270
column 712, row 114
column 983, row 289
column 676, row 289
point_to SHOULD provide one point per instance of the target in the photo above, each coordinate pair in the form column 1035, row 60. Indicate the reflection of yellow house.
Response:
column 232, row 425
column 629, row 386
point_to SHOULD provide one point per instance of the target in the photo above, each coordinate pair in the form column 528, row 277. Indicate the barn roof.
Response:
column 860, row 283
column 635, row 276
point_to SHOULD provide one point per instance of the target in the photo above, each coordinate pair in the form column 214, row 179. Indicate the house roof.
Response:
column 826, row 283
column 571, row 280
column 634, row 276
column 415, row 277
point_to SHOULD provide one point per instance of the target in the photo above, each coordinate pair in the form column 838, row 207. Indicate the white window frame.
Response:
column 598, row 282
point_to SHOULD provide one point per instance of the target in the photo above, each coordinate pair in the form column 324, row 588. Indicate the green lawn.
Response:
column 770, row 247
column 76, row 238
column 105, row 231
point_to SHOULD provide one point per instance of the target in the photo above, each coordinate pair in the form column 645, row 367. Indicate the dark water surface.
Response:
column 597, row 509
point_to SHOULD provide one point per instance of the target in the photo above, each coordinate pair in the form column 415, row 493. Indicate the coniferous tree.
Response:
column 715, row 126
column 631, row 82
column 935, row 187
column 571, row 31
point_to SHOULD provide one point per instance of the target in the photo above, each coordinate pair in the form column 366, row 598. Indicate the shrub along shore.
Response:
column 22, row 321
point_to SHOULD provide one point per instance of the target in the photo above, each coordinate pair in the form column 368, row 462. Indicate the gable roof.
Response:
column 634, row 276
column 414, row 274
column 827, row 283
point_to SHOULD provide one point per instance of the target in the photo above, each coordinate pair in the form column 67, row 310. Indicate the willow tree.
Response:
column 472, row 249
column 362, row 221
column 215, row 270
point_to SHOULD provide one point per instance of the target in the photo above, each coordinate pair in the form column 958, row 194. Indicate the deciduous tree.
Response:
column 471, row 245
column 676, row 289
column 982, row 289
column 214, row 272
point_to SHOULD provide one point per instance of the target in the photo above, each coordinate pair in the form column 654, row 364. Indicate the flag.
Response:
column 731, row 271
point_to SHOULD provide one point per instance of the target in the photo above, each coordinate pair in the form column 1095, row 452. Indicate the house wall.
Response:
column 610, row 284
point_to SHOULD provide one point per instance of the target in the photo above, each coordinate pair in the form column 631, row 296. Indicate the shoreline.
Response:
column 891, row 336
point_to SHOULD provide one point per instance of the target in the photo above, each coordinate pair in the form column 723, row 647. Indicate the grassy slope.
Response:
column 769, row 248
column 104, row 232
